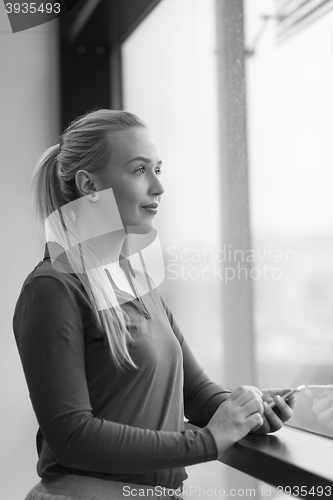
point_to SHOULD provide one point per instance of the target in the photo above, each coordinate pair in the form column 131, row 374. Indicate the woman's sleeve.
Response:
column 201, row 396
column 49, row 334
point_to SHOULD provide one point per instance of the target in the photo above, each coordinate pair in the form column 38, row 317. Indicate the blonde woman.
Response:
column 109, row 373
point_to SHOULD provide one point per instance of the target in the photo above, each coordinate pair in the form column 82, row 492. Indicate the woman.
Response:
column 109, row 373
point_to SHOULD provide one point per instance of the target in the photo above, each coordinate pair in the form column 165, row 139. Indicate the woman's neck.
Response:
column 107, row 247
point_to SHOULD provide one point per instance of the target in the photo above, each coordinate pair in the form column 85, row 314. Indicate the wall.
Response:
column 28, row 125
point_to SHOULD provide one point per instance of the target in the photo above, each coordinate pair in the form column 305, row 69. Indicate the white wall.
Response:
column 29, row 123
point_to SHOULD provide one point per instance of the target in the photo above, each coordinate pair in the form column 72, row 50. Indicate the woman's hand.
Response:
column 273, row 420
column 236, row 417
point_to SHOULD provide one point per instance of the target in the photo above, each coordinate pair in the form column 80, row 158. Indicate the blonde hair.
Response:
column 85, row 145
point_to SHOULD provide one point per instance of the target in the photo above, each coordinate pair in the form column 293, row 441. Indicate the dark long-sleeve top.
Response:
column 93, row 419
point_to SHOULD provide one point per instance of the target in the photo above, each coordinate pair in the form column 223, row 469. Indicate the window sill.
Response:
column 286, row 458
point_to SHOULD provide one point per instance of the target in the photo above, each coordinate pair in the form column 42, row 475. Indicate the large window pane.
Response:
column 169, row 72
column 290, row 107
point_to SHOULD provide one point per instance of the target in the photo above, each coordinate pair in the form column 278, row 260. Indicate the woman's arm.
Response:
column 49, row 333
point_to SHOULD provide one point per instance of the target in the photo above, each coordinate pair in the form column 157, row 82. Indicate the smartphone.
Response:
column 288, row 394
column 318, row 391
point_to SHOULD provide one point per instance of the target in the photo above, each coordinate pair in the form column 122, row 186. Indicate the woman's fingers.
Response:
column 291, row 401
column 245, row 390
column 272, row 395
column 275, row 423
column 274, row 420
column 252, row 388
column 285, row 409
column 254, row 405
column 251, row 404
column 244, row 394
column 255, row 421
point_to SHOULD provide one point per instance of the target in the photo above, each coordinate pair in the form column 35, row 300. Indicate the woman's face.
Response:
column 134, row 175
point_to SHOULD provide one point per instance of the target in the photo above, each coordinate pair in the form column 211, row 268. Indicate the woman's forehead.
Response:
column 131, row 143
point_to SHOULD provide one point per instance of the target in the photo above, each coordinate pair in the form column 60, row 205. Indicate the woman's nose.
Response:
column 156, row 187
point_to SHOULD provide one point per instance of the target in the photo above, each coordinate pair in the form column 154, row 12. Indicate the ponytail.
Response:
column 47, row 196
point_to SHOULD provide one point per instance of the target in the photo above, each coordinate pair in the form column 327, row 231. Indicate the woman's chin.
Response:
column 140, row 228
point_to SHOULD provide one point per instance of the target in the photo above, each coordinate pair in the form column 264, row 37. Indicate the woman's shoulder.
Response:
column 45, row 279
column 44, row 269
column 51, row 292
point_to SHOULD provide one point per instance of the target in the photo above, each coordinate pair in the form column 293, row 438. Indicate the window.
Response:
column 271, row 324
column 290, row 106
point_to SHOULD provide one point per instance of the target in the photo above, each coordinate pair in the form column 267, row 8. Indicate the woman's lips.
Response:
column 151, row 210
column 152, row 207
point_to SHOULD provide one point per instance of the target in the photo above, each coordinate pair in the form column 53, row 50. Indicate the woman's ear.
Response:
column 84, row 182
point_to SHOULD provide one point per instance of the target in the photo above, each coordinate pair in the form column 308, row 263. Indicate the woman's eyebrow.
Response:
column 142, row 158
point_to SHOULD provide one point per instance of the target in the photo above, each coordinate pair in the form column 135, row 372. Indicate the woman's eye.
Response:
column 158, row 171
